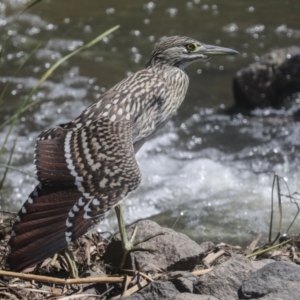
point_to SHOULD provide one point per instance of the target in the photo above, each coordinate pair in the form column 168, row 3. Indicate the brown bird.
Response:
column 86, row 167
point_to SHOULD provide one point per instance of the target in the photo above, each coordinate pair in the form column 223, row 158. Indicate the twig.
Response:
column 12, row 289
column 201, row 272
column 37, row 291
column 62, row 281
column 135, row 288
column 279, row 204
column 11, row 296
column 126, row 283
column 252, row 246
column 272, row 209
column 85, row 296
column 210, row 258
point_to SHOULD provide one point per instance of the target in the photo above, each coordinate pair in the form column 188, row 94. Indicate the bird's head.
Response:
column 180, row 51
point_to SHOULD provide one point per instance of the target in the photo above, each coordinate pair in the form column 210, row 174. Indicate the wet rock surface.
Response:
column 270, row 81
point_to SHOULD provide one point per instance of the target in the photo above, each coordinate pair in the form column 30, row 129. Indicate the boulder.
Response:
column 224, row 281
column 184, row 281
column 157, row 290
column 171, row 250
column 269, row 81
column 187, row 296
column 276, row 281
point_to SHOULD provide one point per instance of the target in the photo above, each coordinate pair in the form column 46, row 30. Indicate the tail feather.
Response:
column 40, row 228
column 37, row 251
column 39, row 220
column 28, row 238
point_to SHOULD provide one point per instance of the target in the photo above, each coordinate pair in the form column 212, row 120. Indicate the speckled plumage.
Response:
column 87, row 166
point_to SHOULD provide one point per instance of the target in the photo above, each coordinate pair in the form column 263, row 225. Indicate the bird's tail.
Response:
column 39, row 230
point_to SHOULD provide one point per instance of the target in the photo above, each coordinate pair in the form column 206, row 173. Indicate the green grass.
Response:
column 11, row 122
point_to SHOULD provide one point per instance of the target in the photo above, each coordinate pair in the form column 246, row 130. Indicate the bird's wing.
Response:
column 83, row 172
column 84, row 167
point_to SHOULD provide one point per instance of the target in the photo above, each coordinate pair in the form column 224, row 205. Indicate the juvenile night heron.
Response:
column 87, row 166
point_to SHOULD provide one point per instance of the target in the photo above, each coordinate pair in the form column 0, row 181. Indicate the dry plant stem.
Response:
column 253, row 244
column 62, row 281
column 201, row 272
column 83, row 296
column 268, row 249
column 210, row 258
column 272, row 209
column 71, row 262
column 146, row 276
column 127, row 281
column 276, row 182
column 8, row 295
column 135, row 288
column 54, row 259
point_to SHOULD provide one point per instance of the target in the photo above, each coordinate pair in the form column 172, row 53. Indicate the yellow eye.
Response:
column 191, row 47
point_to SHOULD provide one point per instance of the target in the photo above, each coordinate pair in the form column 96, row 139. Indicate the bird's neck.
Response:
column 175, row 78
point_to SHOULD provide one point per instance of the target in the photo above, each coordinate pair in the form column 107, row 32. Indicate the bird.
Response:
column 88, row 166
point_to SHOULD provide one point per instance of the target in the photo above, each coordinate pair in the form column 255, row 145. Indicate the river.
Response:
column 206, row 174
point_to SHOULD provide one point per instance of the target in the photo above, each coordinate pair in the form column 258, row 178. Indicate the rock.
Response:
column 184, row 282
column 276, row 281
column 269, row 81
column 157, row 290
column 91, row 288
column 188, row 296
column 173, row 250
column 224, row 281
column 258, row 264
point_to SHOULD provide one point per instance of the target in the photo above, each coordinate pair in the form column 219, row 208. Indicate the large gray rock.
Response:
column 258, row 264
column 89, row 288
column 269, row 81
column 158, row 290
column 183, row 281
column 224, row 281
column 173, row 250
column 276, row 281
column 187, row 296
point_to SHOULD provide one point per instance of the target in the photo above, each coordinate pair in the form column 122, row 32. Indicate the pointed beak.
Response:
column 210, row 50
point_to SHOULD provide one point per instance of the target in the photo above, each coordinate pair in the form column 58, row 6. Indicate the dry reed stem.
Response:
column 201, row 272
column 210, row 258
column 253, row 244
column 62, row 281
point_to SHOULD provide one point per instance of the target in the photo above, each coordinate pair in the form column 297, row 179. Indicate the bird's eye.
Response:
column 191, row 47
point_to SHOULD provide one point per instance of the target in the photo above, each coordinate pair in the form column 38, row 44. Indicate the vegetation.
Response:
column 11, row 122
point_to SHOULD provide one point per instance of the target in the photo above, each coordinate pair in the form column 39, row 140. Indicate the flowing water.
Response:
column 208, row 172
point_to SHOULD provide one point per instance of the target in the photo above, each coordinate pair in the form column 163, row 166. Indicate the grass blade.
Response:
column 32, row 3
column 9, row 161
column 17, row 71
column 25, row 105
column 17, row 169
column 2, row 51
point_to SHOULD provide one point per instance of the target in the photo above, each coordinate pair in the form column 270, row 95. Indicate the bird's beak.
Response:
column 210, row 50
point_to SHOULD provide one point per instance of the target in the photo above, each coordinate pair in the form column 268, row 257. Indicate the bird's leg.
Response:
column 129, row 245
column 71, row 262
